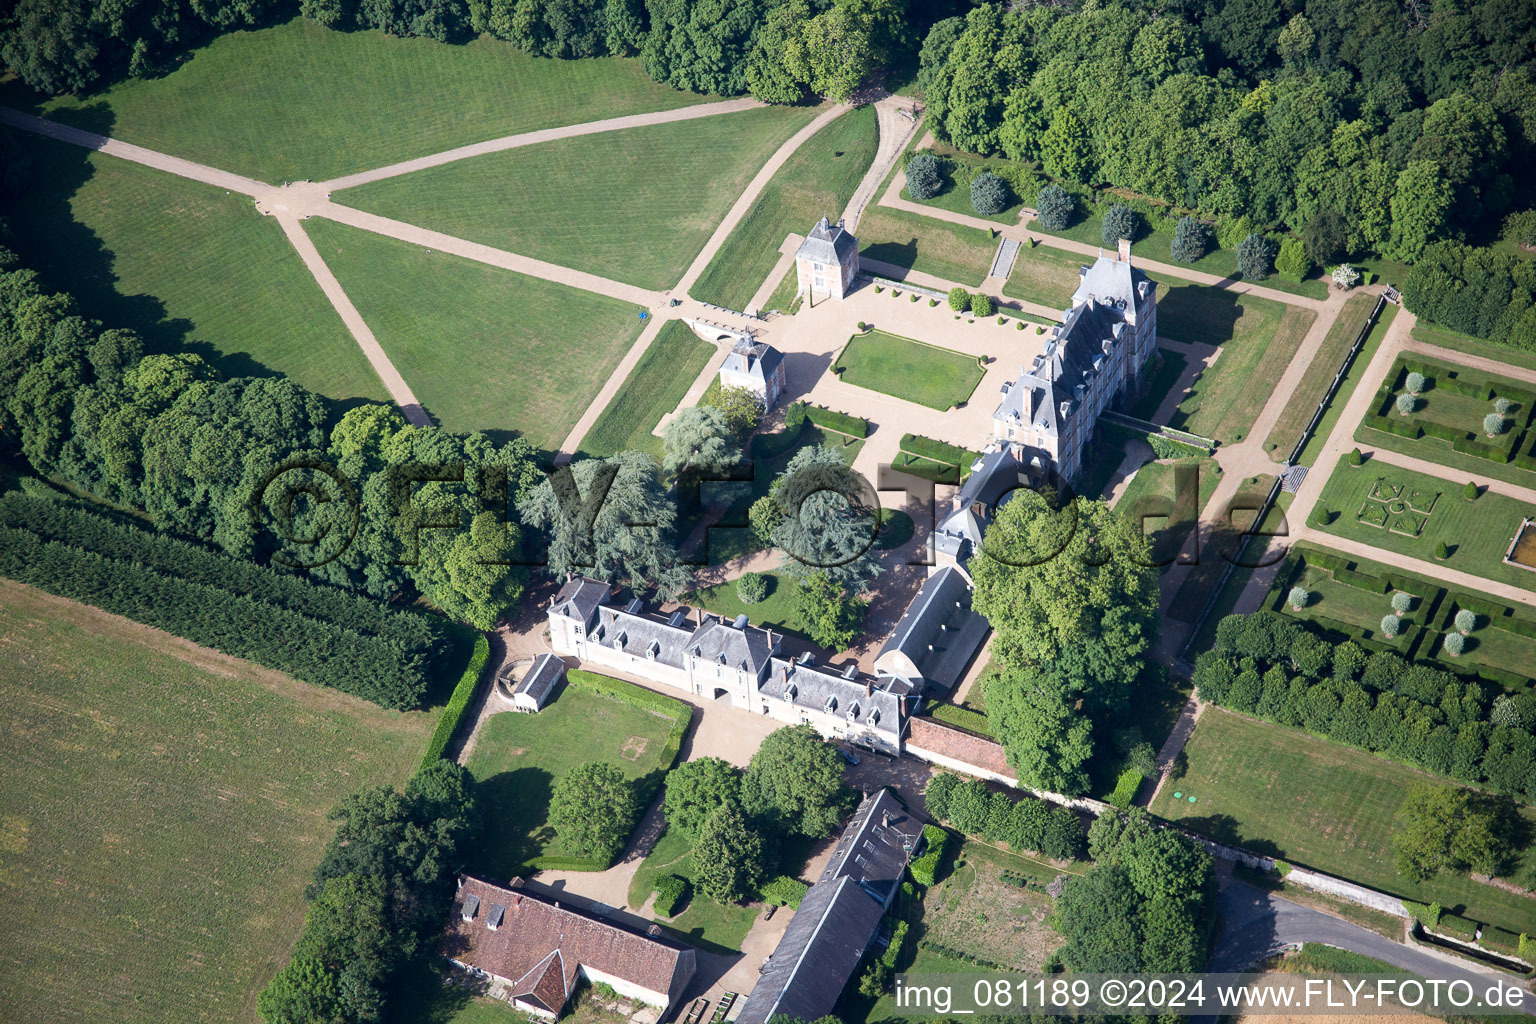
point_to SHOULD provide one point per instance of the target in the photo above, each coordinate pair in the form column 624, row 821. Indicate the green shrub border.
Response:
column 458, row 703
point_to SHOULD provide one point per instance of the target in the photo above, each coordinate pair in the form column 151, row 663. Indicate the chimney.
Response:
column 1125, row 251
column 869, row 687
column 885, row 819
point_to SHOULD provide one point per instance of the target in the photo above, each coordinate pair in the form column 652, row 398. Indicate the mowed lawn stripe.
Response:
column 1258, row 338
column 653, row 388
column 953, row 252
column 1325, row 362
column 1044, row 275
column 185, row 265
column 817, row 181
column 162, row 807
column 300, row 101
column 482, row 348
column 910, row 370
column 1319, row 804
column 634, row 205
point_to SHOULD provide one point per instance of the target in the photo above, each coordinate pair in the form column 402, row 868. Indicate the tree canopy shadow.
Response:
column 514, row 806
column 1199, row 314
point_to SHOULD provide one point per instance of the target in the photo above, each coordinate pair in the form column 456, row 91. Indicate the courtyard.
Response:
column 926, row 374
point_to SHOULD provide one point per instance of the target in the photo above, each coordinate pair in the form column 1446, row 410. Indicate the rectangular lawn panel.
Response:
column 186, row 265
column 635, row 206
column 300, row 101
column 518, row 759
column 817, row 181
column 1325, row 362
column 1258, row 338
column 1477, row 533
column 1044, row 275
column 653, row 388
column 482, row 348
column 910, row 370
column 1347, row 387
column 1281, row 792
column 954, row 252
column 162, row 807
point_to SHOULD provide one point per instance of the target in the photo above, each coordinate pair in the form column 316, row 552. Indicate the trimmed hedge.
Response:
column 1457, row 926
column 671, row 892
column 925, row 868
column 893, row 951
column 785, row 891
column 1126, row 788
column 936, row 451
column 831, row 419
column 458, row 703
column 960, row 718
column 1499, row 940
column 318, row 652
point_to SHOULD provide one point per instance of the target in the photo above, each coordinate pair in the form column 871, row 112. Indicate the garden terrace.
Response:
column 153, row 788
column 518, row 759
column 952, row 252
column 349, row 101
column 1349, row 597
column 1447, row 424
column 1319, row 804
column 1258, row 338
column 910, row 370
column 1397, row 510
column 635, row 205
column 701, row 921
column 1341, row 397
column 484, row 348
column 957, row 170
column 1160, row 499
column 1222, row 545
column 1044, row 275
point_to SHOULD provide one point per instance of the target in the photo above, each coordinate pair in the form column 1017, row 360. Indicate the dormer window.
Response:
column 653, row 650
column 831, row 704
column 874, row 716
column 791, row 691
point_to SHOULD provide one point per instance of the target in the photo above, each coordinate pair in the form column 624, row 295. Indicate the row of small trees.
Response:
column 1026, row 824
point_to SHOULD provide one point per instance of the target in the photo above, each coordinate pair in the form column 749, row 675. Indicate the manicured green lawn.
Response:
column 911, row 370
column 635, row 206
column 817, row 181
column 300, row 101
column 482, row 348
column 1279, row 791
column 1476, row 532
column 162, row 807
column 1045, row 275
column 518, row 759
column 186, row 266
column 1347, row 387
column 1160, row 482
column 653, row 388
column 1222, row 546
column 703, row 922
column 1170, row 368
column 1433, row 334
column 958, row 254
column 1258, row 338
column 955, row 196
column 1325, row 362
column 778, row 611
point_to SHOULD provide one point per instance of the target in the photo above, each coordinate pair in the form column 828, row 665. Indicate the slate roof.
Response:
column 579, row 598
column 938, row 634
column 1113, row 282
column 828, row 243
column 875, row 703
column 639, row 632
column 1000, row 469
column 539, row 680
column 1052, row 385
column 747, row 648
column 541, row 945
column 838, row 917
column 754, row 359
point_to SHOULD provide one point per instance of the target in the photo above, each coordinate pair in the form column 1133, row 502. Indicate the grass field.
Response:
column 910, row 370
column 300, row 101
column 161, row 809
column 482, row 348
column 653, row 388
column 1258, row 337
column 518, row 759
column 1318, row 804
column 186, row 266
column 635, row 205
column 1168, row 526
column 777, row 611
column 1170, row 367
column 1357, row 368
column 1044, row 275
column 1222, row 546
column 703, row 922
column 955, row 196
column 1325, row 362
column 1477, row 533
column 817, row 181
column 953, row 252
column 1433, row 334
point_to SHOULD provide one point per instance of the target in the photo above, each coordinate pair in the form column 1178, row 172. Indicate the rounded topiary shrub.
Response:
column 1470, row 491
column 1055, row 207
column 1401, row 602
column 1406, row 404
column 1191, row 240
column 1494, row 424
column 1415, row 383
column 1019, row 326
column 1355, row 458
column 989, row 194
column 752, row 588
column 1390, row 624
column 982, row 305
column 863, row 326
column 924, row 178
column 959, row 299
column 1503, row 406
column 1455, row 643
column 1441, row 551
column 1119, row 222
column 1466, row 620
column 1298, row 598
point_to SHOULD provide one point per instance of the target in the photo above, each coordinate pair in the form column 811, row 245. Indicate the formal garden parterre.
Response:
column 913, row 371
